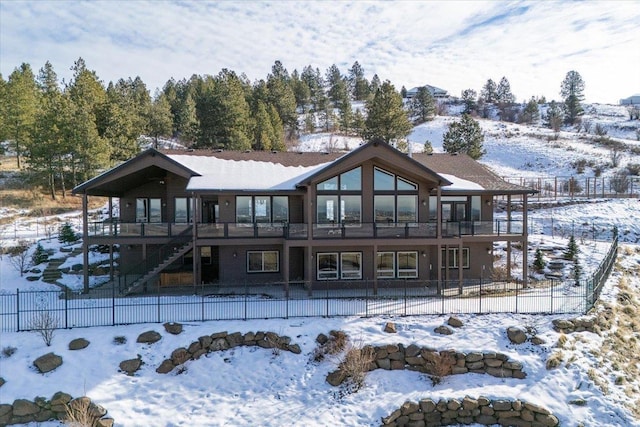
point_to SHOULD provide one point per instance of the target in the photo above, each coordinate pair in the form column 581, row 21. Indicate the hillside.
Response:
column 593, row 377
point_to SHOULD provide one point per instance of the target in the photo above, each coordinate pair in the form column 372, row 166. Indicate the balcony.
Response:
column 299, row 231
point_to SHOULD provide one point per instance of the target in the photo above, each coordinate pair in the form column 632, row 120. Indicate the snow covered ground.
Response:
column 251, row 386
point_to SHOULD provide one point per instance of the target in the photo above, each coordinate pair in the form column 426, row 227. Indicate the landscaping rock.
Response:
column 443, row 330
column 48, row 362
column 455, row 322
column 22, row 407
column 536, row 340
column 179, row 356
column 173, row 328
column 516, row 335
column 335, row 378
column 149, row 337
column 130, row 366
column 322, row 339
column 561, row 325
column 390, row 328
column 165, row 367
column 78, row 344
column 105, row 422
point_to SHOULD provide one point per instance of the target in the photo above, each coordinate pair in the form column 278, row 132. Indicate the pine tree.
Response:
column 160, row 122
column 423, row 105
column 39, row 255
column 263, row 130
column 300, row 91
column 530, row 114
column 464, row 136
column 539, row 262
column 572, row 249
column 313, row 79
column 469, row 99
column 489, row 92
column 3, row 109
column 386, row 118
column 553, row 118
column 281, row 96
column 277, row 134
column 374, row 86
column 358, row 83
column 66, row 234
column 505, row 100
column 345, row 113
column 21, row 109
column 572, row 91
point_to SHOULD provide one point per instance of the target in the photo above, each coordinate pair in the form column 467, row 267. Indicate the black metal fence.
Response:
column 26, row 310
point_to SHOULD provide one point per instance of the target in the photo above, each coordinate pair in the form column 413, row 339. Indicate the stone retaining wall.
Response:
column 24, row 411
column 438, row 363
column 446, row 412
column 223, row 341
column 577, row 324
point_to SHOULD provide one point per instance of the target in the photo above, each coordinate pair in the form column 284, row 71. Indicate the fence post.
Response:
column 517, row 295
column 113, row 303
column 405, row 297
column 66, row 308
column 158, row 301
column 246, row 292
column 327, row 300
column 18, row 309
column 202, row 299
column 366, row 298
column 552, row 281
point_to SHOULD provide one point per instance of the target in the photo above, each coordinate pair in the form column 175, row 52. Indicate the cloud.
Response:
column 453, row 45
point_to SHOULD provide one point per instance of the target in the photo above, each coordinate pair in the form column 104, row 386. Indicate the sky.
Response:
column 451, row 45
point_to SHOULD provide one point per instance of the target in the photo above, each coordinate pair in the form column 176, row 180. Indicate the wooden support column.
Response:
column 310, row 268
column 85, row 242
column 460, row 267
column 285, row 267
column 438, row 267
column 525, row 240
column 111, row 233
column 375, row 269
column 194, row 236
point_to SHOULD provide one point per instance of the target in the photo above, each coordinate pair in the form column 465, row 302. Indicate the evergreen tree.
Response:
column 277, row 135
column 300, row 91
column 313, row 80
column 464, row 136
column 358, row 122
column 281, row 96
column 505, row 100
column 530, row 114
column 553, row 118
column 572, row 91
column 539, row 262
column 336, row 86
column 358, row 84
column 345, row 113
column 386, row 118
column 469, row 100
column 374, row 86
column 160, row 119
column 3, row 110
column 187, row 125
column 262, row 130
column 39, row 255
column 572, row 249
column 66, row 234
column 20, row 109
column 489, row 92
column 232, row 121
column 423, row 105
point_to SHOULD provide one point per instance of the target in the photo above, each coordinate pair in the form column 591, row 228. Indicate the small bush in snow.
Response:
column 8, row 351
column 44, row 323
column 66, row 234
column 39, row 255
column 620, row 182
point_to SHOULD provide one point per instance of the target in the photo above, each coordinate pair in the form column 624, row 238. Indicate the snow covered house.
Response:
column 373, row 215
column 436, row 92
column 632, row 100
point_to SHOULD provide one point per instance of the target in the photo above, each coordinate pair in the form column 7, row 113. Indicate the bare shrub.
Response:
column 336, row 343
column 572, row 186
column 18, row 257
column 555, row 360
column 620, row 182
column 499, row 273
column 8, row 351
column 355, row 365
column 600, row 130
column 81, row 413
column 440, row 365
column 44, row 323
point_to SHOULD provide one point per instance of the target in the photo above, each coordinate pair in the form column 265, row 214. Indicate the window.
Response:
column 407, row 264
column 263, row 262
column 250, row 209
column 386, row 265
column 453, row 258
column 351, row 265
column 182, row 212
column 205, row 255
column 148, row 210
column 396, row 198
column 343, row 204
column 386, row 181
column 327, row 266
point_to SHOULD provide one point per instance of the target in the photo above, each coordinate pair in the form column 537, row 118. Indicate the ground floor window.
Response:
column 263, row 261
column 401, row 264
column 334, row 265
column 453, row 257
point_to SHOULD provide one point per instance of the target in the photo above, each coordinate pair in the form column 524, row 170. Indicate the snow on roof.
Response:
column 221, row 174
column 459, row 183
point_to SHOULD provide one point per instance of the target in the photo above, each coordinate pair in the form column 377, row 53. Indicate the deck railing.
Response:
column 293, row 231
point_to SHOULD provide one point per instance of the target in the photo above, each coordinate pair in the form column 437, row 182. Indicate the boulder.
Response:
column 516, row 335
column 179, row 356
column 443, row 330
column 294, row 348
column 563, row 325
column 165, row 367
column 336, row 378
column 455, row 322
column 390, row 328
column 78, row 344
column 537, row 340
column 48, row 362
column 149, row 337
column 174, row 328
column 22, row 407
column 130, row 366
column 105, row 422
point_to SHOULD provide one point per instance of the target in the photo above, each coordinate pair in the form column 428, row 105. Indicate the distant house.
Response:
column 632, row 100
column 371, row 216
column 436, row 92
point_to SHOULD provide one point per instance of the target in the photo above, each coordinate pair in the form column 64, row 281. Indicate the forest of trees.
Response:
column 65, row 132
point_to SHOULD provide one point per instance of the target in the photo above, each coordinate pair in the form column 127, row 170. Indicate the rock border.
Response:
column 446, row 412
column 439, row 363
column 24, row 411
column 220, row 341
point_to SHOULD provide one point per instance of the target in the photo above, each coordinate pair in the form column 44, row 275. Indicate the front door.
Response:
column 210, row 211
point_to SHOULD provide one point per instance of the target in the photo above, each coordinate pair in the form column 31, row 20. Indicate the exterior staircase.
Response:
column 138, row 276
